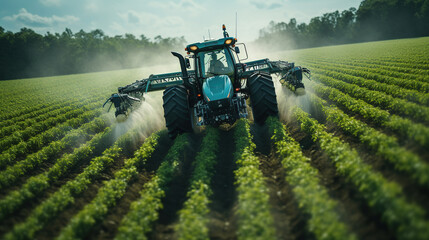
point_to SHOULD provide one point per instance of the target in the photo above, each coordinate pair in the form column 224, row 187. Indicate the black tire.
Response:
column 176, row 110
column 262, row 96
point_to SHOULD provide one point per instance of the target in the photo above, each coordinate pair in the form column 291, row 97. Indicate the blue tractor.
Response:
column 215, row 92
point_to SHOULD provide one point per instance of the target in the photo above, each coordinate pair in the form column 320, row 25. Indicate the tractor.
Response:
column 215, row 92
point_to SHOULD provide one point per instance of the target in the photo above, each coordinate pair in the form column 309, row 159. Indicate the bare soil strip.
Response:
column 176, row 193
column 223, row 222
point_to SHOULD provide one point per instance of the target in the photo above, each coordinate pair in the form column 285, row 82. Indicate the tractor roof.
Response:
column 209, row 45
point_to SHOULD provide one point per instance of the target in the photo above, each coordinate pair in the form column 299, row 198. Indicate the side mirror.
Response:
column 188, row 64
column 245, row 51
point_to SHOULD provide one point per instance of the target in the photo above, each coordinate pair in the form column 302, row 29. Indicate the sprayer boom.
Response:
column 215, row 92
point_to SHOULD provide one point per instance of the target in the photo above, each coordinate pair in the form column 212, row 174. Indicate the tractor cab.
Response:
column 216, row 62
column 213, row 58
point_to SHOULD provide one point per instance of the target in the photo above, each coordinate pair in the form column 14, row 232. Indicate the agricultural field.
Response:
column 348, row 160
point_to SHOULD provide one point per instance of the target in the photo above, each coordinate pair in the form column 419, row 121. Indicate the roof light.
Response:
column 193, row 48
column 228, row 41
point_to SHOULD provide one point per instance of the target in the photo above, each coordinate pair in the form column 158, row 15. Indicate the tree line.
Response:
column 373, row 20
column 29, row 54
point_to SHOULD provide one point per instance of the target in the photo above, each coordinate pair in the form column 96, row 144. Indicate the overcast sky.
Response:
column 189, row 18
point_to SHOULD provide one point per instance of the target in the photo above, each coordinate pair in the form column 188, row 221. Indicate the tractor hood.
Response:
column 217, row 87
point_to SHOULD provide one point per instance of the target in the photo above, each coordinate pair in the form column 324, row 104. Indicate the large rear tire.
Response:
column 262, row 96
column 176, row 110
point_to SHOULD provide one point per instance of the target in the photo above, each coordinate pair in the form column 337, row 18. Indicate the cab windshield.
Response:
column 216, row 62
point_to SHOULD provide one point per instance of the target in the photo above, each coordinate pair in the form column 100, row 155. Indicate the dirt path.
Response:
column 176, row 193
column 223, row 223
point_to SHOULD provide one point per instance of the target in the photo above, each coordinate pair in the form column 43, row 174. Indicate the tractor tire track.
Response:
column 223, row 222
column 176, row 193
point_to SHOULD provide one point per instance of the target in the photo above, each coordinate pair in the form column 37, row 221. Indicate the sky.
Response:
column 192, row 19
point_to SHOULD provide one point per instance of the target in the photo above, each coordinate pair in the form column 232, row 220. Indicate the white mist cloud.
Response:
column 34, row 20
column 133, row 22
column 185, row 6
column 50, row 3
column 269, row 5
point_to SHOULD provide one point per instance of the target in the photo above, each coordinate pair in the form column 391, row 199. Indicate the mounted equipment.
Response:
column 215, row 92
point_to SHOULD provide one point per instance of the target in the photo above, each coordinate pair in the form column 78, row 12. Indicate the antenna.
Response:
column 209, row 33
column 235, row 24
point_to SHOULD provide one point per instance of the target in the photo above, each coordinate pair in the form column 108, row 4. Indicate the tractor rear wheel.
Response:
column 262, row 96
column 176, row 110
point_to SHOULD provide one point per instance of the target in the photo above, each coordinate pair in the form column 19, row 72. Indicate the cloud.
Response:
column 50, row 3
column 275, row 5
column 132, row 17
column 34, row 20
column 266, row 5
column 92, row 6
column 188, row 6
column 149, row 19
column 148, row 23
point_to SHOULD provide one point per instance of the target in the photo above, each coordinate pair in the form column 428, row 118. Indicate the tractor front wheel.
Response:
column 262, row 96
column 176, row 110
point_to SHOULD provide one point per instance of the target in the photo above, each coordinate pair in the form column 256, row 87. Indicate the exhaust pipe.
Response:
column 185, row 75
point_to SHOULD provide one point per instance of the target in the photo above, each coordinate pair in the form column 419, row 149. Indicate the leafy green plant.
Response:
column 193, row 216
column 406, row 219
column 255, row 220
column 313, row 198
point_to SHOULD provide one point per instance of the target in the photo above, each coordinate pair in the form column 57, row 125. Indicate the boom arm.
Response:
column 288, row 71
column 135, row 91
column 154, row 83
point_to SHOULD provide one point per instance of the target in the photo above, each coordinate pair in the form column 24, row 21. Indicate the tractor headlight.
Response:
column 193, row 48
column 228, row 41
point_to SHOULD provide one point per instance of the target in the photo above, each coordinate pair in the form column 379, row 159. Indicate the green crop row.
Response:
column 374, row 74
column 13, row 127
column 254, row 218
column 37, row 184
column 377, row 73
column 324, row 222
column 145, row 211
column 24, row 135
column 361, row 80
column 26, row 120
column 397, row 67
column 61, row 199
column 39, row 127
column 37, row 142
column 384, row 101
column 13, row 115
column 22, row 114
column 404, row 128
column 406, row 219
column 385, row 146
column 193, row 216
column 10, row 175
